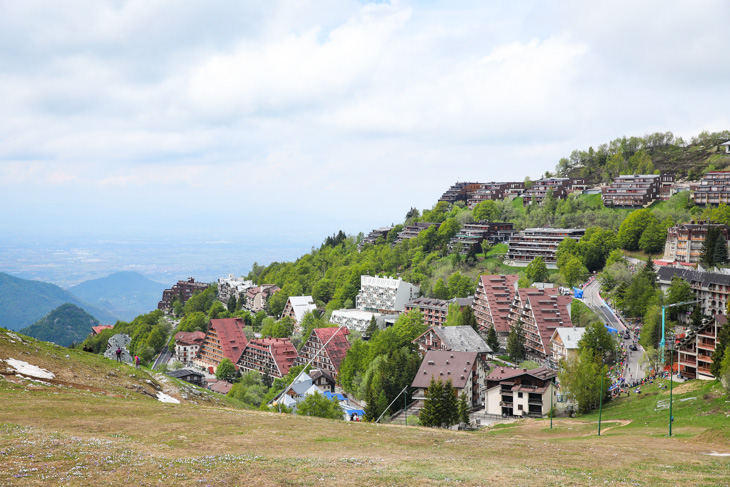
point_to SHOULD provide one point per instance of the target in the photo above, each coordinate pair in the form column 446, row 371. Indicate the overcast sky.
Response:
column 303, row 117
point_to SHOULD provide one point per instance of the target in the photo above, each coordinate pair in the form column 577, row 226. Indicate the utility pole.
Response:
column 664, row 307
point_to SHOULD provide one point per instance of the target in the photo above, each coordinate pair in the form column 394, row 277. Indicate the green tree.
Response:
column 493, row 340
column 651, row 333
column 468, row 318
column 231, row 304
column 719, row 255
column 679, row 292
column 653, row 238
column 319, row 406
column 226, row 370
column 463, row 409
column 516, row 343
column 573, row 270
column 536, row 270
column 581, row 378
column 196, row 321
column 707, row 252
column 440, row 291
column 454, row 316
column 598, row 340
column 487, row 210
column 428, row 414
column 450, row 405
column 217, row 310
column 631, row 229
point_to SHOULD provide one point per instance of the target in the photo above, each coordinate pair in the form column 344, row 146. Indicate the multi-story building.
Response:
column 713, row 189
column 488, row 192
column 632, row 191
column 384, row 294
column 297, row 306
column 539, row 242
column 412, row 231
column 540, row 188
column 564, row 344
column 711, row 288
column 471, row 235
column 183, row 291
column 232, row 286
column 520, row 392
column 540, row 311
column 187, row 344
column 435, row 310
column 224, row 339
column 467, row 371
column 695, row 349
column 274, row 356
column 257, row 297
column 452, row 339
column 492, row 303
column 372, row 237
column 459, row 192
column 685, row 241
column 326, row 347
column 354, row 319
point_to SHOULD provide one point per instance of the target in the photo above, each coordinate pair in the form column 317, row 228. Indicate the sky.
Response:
column 292, row 120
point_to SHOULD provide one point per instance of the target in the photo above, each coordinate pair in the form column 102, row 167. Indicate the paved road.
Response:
column 592, row 298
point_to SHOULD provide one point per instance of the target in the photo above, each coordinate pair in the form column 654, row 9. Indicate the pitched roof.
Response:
column 445, row 365
column 499, row 291
column 281, row 349
column 570, row 336
column 459, row 339
column 221, row 387
column 337, row 347
column 301, row 305
column 317, row 373
column 189, row 337
column 231, row 337
column 505, row 373
column 178, row 374
column 665, row 274
column 549, row 310
column 98, row 329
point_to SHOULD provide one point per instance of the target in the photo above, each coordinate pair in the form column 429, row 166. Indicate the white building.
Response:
column 385, row 295
column 297, row 306
column 564, row 344
column 353, row 319
column 236, row 286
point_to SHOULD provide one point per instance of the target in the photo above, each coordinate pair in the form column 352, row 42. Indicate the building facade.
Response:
column 326, row 347
column 539, row 242
column 224, row 339
column 466, row 370
column 187, row 344
column 520, row 392
column 459, row 192
column 713, row 189
column 274, row 356
column 372, row 237
column 435, row 310
column 452, row 339
column 695, row 349
column 634, row 191
column 183, row 291
column 412, row 231
column 492, row 303
column 711, row 288
column 257, row 297
column 232, row 286
column 384, row 294
column 685, row 241
column 540, row 311
column 564, row 345
column 297, row 306
column 471, row 235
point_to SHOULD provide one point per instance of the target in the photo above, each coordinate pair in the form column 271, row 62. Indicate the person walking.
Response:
column 119, row 354
column 136, row 361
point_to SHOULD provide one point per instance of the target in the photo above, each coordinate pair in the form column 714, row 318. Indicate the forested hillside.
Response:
column 64, row 325
column 122, row 294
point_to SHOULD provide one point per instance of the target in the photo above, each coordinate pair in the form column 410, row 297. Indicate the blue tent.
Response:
column 611, row 329
column 578, row 293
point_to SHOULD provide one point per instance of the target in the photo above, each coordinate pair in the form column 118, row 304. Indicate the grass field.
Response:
column 79, row 430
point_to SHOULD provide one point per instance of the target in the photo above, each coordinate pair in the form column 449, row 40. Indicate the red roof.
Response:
column 281, row 349
column 221, row 387
column 189, row 337
column 337, row 348
column 100, row 328
column 549, row 310
column 498, row 293
column 231, row 337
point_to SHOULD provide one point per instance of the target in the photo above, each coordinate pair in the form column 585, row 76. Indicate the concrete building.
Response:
column 435, row 310
column 684, row 242
column 713, row 189
column 274, row 356
column 257, row 297
column 695, row 349
column 326, row 357
column 224, row 339
column 183, row 291
column 412, row 231
column 384, row 294
column 712, row 288
column 564, row 344
column 372, row 237
column 459, row 192
column 635, row 191
column 471, row 235
column 187, row 344
column 492, row 303
column 539, row 242
column 359, row 320
column 467, row 371
column 540, row 311
column 232, row 286
column 520, row 392
column 452, row 339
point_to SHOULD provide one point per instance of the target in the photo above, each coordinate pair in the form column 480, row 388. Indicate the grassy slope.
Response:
column 106, row 433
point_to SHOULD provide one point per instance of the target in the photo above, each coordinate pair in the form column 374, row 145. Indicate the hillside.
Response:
column 123, row 294
column 23, row 302
column 99, row 423
column 64, row 325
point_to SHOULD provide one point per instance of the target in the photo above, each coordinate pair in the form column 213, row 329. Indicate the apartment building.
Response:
column 541, row 312
column 695, row 349
column 712, row 288
column 520, row 392
column 471, row 235
column 232, row 286
column 435, row 310
column 274, row 356
column 685, row 241
column 459, row 192
column 564, row 344
column 384, row 294
column 372, row 237
column 327, row 348
column 224, row 339
column 636, row 191
column 539, row 242
column 467, row 371
column 187, row 344
column 492, row 303
column 412, row 231
column 713, row 189
column 453, row 339
column 257, row 297
column 183, row 291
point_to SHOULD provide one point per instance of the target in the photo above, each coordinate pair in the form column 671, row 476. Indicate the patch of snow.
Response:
column 162, row 397
column 715, row 454
column 28, row 369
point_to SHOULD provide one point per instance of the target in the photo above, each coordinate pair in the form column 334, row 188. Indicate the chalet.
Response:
column 224, row 339
column 297, row 306
column 540, row 311
column 467, row 371
column 187, row 344
column 493, row 301
column 268, row 355
column 327, row 347
column 190, row 376
column 520, row 392
column 452, row 339
column 564, row 344
column 221, row 387
column 695, row 349
column 322, row 379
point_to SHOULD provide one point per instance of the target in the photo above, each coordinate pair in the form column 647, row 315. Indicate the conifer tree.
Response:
column 493, row 340
column 463, row 409
column 371, row 406
column 468, row 318
column 516, row 343
column 382, row 403
column 723, row 341
column 426, row 415
column 450, row 407
column 707, row 253
column 719, row 254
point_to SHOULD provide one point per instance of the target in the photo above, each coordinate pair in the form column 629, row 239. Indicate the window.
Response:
column 519, row 407
column 519, row 395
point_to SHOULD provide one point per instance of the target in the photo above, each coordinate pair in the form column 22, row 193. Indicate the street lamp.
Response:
column 552, row 384
column 664, row 307
column 671, row 381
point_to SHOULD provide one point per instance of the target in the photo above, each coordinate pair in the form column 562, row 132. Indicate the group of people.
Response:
column 119, row 357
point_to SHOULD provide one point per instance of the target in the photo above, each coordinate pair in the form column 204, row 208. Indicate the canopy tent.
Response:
column 577, row 292
column 611, row 329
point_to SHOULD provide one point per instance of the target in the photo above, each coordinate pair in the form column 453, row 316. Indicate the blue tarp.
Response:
column 611, row 329
column 577, row 292
column 329, row 395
